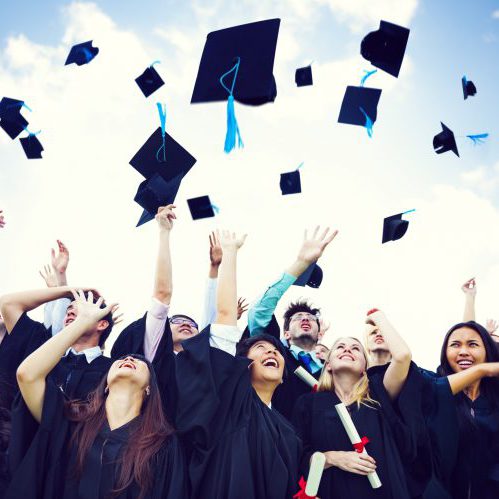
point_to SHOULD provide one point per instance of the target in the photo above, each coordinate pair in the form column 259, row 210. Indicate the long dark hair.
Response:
column 145, row 440
column 489, row 387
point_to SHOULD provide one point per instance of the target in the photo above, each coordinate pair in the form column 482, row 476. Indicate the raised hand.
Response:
column 242, row 306
column 89, row 311
column 469, row 287
column 491, row 326
column 61, row 260
column 49, row 276
column 229, row 241
column 313, row 247
column 324, row 326
column 117, row 318
column 2, row 219
column 216, row 252
column 166, row 216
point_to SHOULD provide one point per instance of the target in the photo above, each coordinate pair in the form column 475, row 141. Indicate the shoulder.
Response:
column 25, row 323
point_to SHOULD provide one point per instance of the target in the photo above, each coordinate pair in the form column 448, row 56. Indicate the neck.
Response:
column 343, row 385
column 122, row 405
column 473, row 391
column 306, row 343
column 84, row 343
column 177, row 347
column 380, row 357
column 264, row 391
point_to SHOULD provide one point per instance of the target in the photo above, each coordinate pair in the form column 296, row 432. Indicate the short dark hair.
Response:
column 299, row 306
column 185, row 317
column 244, row 346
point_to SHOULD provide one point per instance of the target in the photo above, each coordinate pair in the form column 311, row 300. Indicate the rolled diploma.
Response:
column 315, row 473
column 354, row 437
column 305, row 376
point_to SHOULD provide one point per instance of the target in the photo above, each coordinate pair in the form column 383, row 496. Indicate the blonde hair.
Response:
column 360, row 391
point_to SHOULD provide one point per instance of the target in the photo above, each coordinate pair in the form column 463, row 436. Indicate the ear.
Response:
column 328, row 367
column 102, row 325
column 287, row 335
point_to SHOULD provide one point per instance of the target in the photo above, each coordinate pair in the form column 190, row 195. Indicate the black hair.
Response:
column 186, row 317
column 244, row 346
column 299, row 306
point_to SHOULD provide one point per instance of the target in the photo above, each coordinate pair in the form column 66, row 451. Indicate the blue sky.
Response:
column 93, row 119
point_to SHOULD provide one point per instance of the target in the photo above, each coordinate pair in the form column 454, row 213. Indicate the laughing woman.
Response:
column 116, row 444
column 369, row 395
column 464, row 419
column 241, row 447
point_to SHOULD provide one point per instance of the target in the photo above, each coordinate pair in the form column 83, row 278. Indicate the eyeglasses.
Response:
column 183, row 320
column 302, row 316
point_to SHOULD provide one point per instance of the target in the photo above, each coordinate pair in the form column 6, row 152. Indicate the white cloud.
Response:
column 360, row 14
column 483, row 179
column 495, row 14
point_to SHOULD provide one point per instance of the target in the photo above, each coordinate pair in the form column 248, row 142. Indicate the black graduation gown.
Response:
column 239, row 447
column 292, row 388
column 396, row 432
column 73, row 374
column 46, row 470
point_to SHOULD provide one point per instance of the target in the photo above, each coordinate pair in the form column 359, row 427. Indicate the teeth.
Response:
column 270, row 363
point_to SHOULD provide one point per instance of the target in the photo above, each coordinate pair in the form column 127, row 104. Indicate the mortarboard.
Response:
column 311, row 277
column 177, row 160
column 237, row 64
column 81, row 53
column 161, row 157
column 201, row 207
column 149, row 81
column 303, row 76
column 394, row 227
column 32, row 146
column 385, row 48
column 445, row 141
column 360, row 106
column 11, row 119
column 254, row 44
column 290, row 183
column 469, row 88
column 155, row 192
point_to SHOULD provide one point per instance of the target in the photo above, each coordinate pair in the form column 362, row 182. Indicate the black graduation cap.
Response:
column 254, row 44
column 201, row 207
column 32, row 146
column 11, row 119
column 394, row 227
column 385, row 48
column 303, row 76
column 290, row 182
column 469, row 89
column 311, row 277
column 445, row 141
column 357, row 99
column 176, row 159
column 82, row 53
column 155, row 192
column 149, row 81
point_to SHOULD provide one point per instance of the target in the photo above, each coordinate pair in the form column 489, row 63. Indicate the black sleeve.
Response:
column 302, row 421
column 130, row 340
column 26, row 336
column 271, row 328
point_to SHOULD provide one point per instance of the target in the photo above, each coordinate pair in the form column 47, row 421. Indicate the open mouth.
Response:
column 128, row 364
column 68, row 321
column 465, row 363
column 346, row 356
column 271, row 363
column 306, row 326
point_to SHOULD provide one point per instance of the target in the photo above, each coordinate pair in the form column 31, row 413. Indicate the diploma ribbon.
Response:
column 301, row 494
column 359, row 447
column 314, row 389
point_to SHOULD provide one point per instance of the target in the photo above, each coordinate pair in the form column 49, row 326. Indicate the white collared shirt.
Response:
column 90, row 353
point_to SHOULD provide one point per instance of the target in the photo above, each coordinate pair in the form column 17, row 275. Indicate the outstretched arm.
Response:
column 469, row 290
column 461, row 380
column 163, row 284
column 210, row 297
column 398, row 369
column 260, row 313
column 60, row 262
column 32, row 373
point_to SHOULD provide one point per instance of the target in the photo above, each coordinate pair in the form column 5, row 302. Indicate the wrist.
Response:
column 61, row 279
column 164, row 231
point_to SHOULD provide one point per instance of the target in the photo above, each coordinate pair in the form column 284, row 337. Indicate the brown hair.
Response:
column 360, row 391
column 145, row 440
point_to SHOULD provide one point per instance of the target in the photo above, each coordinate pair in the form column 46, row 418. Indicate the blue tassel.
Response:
column 369, row 123
column 215, row 208
column 232, row 128
column 366, row 76
column 162, row 119
column 478, row 138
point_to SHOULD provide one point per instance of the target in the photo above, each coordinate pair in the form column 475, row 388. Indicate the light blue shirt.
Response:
column 260, row 314
column 315, row 363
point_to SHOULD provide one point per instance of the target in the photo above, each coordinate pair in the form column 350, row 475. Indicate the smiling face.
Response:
column 465, row 348
column 182, row 328
column 129, row 369
column 347, row 354
column 268, row 363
